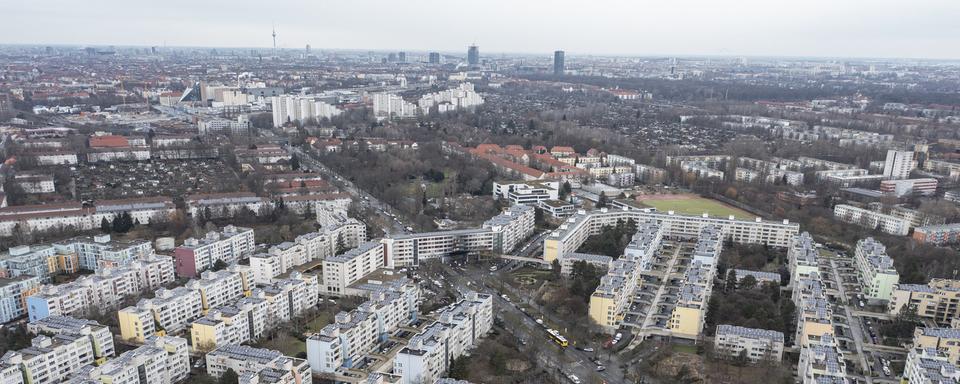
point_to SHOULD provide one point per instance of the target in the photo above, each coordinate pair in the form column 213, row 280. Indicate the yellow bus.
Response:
column 557, row 338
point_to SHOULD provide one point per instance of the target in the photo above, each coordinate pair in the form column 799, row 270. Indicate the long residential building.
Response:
column 257, row 365
column 822, row 362
column 875, row 269
column 342, row 344
column 577, row 228
column 871, row 219
column 613, row 296
column 227, row 246
column 52, row 217
column 689, row 313
column 104, row 290
column 500, row 234
column 220, row 205
column 457, row 330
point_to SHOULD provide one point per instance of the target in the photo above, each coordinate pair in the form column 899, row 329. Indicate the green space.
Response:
column 696, row 206
column 683, row 348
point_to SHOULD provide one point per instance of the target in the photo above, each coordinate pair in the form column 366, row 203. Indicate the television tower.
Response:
column 274, row 41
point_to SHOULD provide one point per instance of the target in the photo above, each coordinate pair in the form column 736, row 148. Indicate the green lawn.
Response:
column 683, row 348
column 698, row 206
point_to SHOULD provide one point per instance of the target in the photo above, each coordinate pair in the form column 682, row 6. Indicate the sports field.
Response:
column 693, row 205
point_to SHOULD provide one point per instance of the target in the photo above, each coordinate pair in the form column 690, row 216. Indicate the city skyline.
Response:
column 694, row 28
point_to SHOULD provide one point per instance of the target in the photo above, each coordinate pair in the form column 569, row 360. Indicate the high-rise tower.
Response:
column 473, row 55
column 558, row 62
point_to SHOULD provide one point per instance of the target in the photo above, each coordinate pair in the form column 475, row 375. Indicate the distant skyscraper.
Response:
column 308, row 49
column 473, row 55
column 557, row 62
column 402, row 57
column 434, row 57
column 391, row 57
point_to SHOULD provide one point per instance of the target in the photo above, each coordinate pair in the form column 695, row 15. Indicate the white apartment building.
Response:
column 871, row 219
column 803, row 256
column 97, row 252
column 342, row 270
column 387, row 105
column 355, row 333
column 427, row 356
column 103, row 290
column 229, row 246
column 756, row 344
column 461, row 97
column 294, row 108
column 572, row 233
column 259, row 363
column 878, row 278
column 498, row 235
column 899, row 164
column 100, row 335
column 161, row 360
column 30, row 260
column 934, row 300
column 168, row 312
column 50, row 359
column 217, row 288
column 929, row 365
column 220, row 205
column 35, row 183
column 218, row 126
column 229, row 325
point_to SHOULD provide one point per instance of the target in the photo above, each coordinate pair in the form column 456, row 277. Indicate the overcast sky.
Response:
column 836, row 28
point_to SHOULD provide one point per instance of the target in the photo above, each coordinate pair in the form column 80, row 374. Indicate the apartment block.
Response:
column 220, row 205
column 572, row 233
column 756, row 344
column 104, row 290
column 41, row 261
column 946, row 340
column 428, row 354
column 929, row 365
column 498, row 235
column 229, row 325
column 168, row 312
column 821, row 362
column 160, row 360
column 871, row 219
column 875, row 269
column 814, row 312
column 257, row 365
column 687, row 318
column 50, row 359
column 342, row 270
column 936, row 300
column 938, row 234
column 198, row 255
column 353, row 334
column 803, row 256
column 100, row 337
column 613, row 296
column 98, row 252
column 13, row 296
